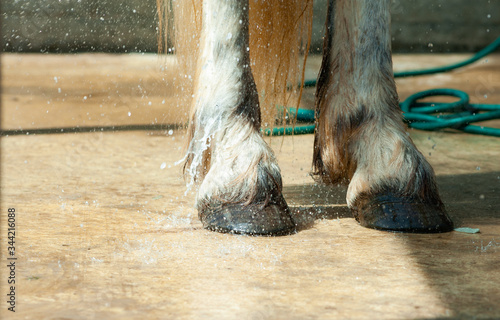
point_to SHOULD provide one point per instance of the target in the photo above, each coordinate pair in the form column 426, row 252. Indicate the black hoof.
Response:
column 260, row 219
column 391, row 212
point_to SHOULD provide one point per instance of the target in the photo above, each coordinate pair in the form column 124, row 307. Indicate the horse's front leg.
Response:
column 238, row 179
column 360, row 138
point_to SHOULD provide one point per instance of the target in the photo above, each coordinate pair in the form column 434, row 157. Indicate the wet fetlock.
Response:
column 401, row 195
column 240, row 190
column 252, row 205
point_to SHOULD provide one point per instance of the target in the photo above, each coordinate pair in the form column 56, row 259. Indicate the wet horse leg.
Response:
column 238, row 179
column 360, row 138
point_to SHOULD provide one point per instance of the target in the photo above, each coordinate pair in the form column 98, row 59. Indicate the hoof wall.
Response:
column 397, row 213
column 259, row 219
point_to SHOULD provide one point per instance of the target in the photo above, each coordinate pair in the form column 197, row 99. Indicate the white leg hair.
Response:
column 360, row 138
column 227, row 157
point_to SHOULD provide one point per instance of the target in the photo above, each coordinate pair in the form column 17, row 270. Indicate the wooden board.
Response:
column 105, row 229
column 51, row 91
column 47, row 91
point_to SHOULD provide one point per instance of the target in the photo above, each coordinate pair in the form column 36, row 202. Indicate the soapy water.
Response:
column 491, row 246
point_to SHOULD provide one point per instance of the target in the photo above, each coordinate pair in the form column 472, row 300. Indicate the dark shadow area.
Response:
column 471, row 198
column 323, row 202
column 463, row 269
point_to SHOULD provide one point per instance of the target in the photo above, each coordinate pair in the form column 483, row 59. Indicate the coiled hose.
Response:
column 424, row 115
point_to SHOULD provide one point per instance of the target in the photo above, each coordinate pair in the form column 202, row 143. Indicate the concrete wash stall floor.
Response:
column 106, row 230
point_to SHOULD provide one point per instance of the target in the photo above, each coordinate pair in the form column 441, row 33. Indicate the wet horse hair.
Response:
column 245, row 56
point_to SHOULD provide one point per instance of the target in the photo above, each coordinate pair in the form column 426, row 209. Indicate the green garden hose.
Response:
column 457, row 115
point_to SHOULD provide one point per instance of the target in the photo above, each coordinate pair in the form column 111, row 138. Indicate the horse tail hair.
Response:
column 280, row 36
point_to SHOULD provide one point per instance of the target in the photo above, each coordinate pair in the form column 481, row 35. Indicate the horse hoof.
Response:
column 391, row 212
column 260, row 219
